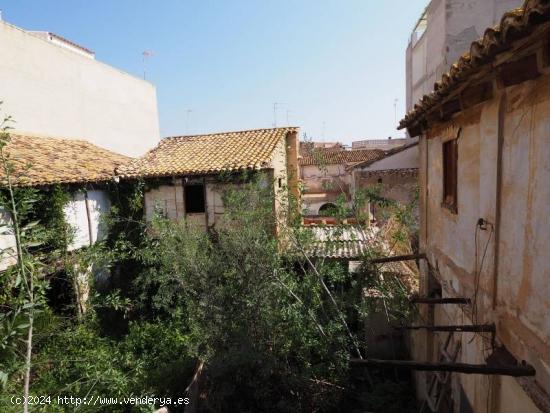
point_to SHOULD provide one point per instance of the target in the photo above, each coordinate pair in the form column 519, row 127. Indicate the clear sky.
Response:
column 336, row 67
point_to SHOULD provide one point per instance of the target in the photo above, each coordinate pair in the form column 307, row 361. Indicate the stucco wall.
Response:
column 168, row 199
column 407, row 158
column 452, row 26
column 8, row 253
column 521, row 301
column 324, row 185
column 50, row 90
column 76, row 216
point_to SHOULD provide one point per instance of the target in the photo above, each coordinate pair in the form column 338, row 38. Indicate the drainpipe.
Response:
column 498, row 197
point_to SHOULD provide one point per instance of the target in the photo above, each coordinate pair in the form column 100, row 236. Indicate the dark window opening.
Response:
column 280, row 183
column 194, row 199
column 379, row 180
column 450, row 170
column 328, row 210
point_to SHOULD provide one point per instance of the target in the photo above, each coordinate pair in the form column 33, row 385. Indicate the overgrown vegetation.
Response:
column 235, row 318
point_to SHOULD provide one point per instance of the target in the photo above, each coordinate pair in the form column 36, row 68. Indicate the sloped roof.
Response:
column 514, row 25
column 387, row 153
column 41, row 160
column 341, row 242
column 206, row 154
column 321, row 156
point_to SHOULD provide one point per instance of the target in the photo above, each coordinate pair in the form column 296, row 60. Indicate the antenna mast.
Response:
column 146, row 54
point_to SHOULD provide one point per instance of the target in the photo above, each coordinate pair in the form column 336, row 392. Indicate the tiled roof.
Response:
column 392, row 172
column 341, row 243
column 205, row 154
column 41, row 160
column 84, row 49
column 331, row 157
column 515, row 24
column 387, row 153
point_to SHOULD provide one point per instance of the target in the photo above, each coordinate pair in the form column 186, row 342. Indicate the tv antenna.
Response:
column 276, row 106
column 146, row 55
column 187, row 114
column 288, row 112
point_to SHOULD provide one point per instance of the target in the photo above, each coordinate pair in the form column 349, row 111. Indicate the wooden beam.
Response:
column 476, row 328
column 486, row 369
column 397, row 258
column 446, row 300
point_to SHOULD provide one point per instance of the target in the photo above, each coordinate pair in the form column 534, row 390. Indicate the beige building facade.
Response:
column 485, row 202
column 51, row 86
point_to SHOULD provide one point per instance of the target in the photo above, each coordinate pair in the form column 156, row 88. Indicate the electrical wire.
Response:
column 477, row 273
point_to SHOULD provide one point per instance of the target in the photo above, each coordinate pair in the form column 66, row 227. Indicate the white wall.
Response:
column 407, row 158
column 8, row 254
column 76, row 216
column 50, row 90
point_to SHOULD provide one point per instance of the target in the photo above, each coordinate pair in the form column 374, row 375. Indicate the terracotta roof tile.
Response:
column 515, row 24
column 392, row 172
column 41, row 160
column 206, row 154
column 331, row 157
column 387, row 153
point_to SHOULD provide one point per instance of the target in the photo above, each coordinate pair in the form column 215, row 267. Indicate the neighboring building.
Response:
column 51, row 86
column 307, row 147
column 485, row 208
column 396, row 172
column 183, row 171
column 326, row 177
column 383, row 144
column 443, row 32
column 75, row 164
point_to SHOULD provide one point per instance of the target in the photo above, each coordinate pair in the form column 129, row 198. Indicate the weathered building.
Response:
column 183, row 172
column 396, row 174
column 383, row 144
column 52, row 86
column 326, row 177
column 76, row 165
column 485, row 206
column 442, row 33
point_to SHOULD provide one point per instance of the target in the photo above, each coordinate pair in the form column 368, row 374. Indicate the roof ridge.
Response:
column 228, row 132
column 25, row 135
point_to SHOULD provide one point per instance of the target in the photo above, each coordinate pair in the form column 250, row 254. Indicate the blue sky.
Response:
column 336, row 65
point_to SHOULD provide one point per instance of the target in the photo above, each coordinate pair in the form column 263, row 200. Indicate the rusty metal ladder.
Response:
column 440, row 381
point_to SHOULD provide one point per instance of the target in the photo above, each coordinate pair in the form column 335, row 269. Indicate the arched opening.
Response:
column 328, row 209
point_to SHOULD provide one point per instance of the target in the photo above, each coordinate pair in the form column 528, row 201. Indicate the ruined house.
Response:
column 326, row 177
column 183, row 172
column 329, row 175
column 83, row 172
column 80, row 167
column 485, row 228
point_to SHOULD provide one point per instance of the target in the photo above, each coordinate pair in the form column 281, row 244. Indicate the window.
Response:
column 194, row 199
column 450, row 158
